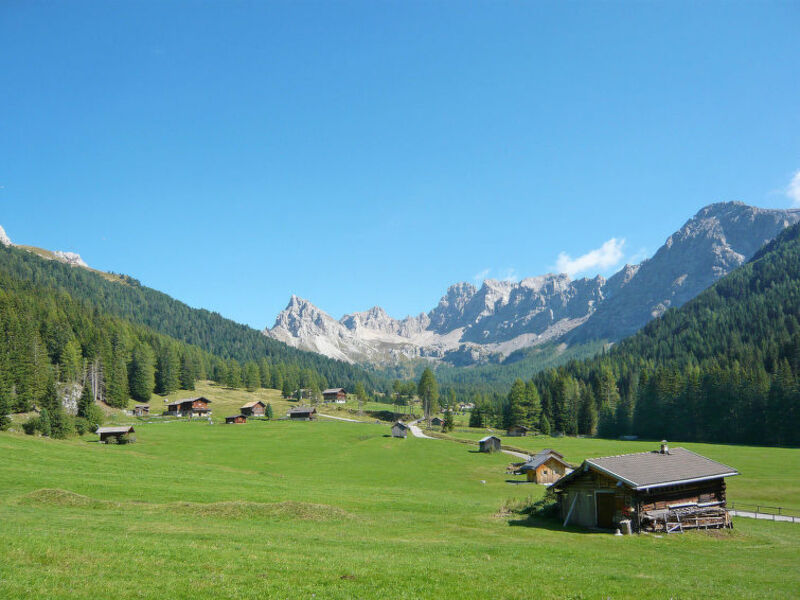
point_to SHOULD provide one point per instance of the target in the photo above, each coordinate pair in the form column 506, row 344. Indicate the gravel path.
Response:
column 417, row 432
column 340, row 418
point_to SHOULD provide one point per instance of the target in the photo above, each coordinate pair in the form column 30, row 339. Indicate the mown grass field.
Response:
column 339, row 510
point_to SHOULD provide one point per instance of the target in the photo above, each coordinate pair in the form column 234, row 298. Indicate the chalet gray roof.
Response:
column 332, row 390
column 123, row 429
column 520, row 427
column 302, row 409
column 489, row 437
column 175, row 402
column 542, row 457
column 252, row 404
column 654, row 469
column 400, row 424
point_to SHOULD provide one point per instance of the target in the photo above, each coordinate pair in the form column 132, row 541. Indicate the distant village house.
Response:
column 141, row 410
column 437, row 421
column 254, row 409
column 236, row 419
column 337, row 395
column 517, row 431
column 107, row 434
column 189, row 407
column 666, row 490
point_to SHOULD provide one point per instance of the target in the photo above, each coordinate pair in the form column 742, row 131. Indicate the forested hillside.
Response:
column 722, row 368
column 141, row 305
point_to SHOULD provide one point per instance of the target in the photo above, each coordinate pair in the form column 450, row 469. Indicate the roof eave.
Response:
column 682, row 481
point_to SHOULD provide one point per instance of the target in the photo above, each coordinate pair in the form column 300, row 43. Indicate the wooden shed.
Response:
column 303, row 413
column 437, row 421
column 545, row 467
column 189, row 407
column 236, row 419
column 141, row 410
column 491, row 443
column 337, row 395
column 517, row 431
column 399, row 430
column 108, row 433
column 254, row 409
column 665, row 490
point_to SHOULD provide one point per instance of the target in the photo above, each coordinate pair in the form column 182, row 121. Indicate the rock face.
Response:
column 71, row 258
column 473, row 324
column 4, row 239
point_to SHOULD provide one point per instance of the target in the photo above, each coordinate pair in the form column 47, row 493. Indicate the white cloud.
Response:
column 481, row 275
column 604, row 257
column 793, row 191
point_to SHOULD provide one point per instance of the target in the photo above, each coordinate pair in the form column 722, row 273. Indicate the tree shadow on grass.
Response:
column 547, row 523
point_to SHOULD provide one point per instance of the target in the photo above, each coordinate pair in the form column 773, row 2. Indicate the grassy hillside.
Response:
column 337, row 510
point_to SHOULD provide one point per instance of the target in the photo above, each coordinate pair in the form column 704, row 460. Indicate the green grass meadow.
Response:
column 340, row 510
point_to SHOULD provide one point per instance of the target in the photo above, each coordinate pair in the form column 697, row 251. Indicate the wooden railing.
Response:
column 761, row 511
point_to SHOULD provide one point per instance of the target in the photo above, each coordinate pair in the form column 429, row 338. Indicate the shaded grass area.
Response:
column 336, row 510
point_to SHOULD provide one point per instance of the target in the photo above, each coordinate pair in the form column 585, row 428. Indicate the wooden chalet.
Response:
column 399, row 430
column 546, row 466
column 141, row 410
column 665, row 490
column 254, row 409
column 491, row 443
column 303, row 413
column 337, row 395
column 189, row 407
column 106, row 433
column 236, row 419
column 437, row 421
column 517, row 431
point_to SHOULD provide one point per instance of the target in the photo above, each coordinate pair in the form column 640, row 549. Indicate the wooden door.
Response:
column 605, row 510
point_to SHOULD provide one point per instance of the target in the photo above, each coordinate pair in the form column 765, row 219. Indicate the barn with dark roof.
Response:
column 665, row 490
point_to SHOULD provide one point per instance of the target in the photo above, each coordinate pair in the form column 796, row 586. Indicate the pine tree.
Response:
column 117, row 387
column 188, row 371
column 544, row 425
column 587, row 412
column 142, row 373
column 428, row 390
column 44, row 422
column 515, row 413
column 70, row 361
column 252, row 378
column 168, row 375
column 268, row 411
column 5, row 410
column 449, row 422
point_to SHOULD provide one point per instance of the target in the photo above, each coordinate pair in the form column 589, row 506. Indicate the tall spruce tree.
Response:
column 142, row 373
column 428, row 391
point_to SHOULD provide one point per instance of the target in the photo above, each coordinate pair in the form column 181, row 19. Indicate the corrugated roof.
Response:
column 653, row 469
column 125, row 429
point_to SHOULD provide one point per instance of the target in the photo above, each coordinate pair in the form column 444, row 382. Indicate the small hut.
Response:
column 117, row 434
column 546, row 466
column 141, row 410
column 303, row 413
column 665, row 490
column 254, row 409
column 337, row 395
column 399, row 430
column 491, row 443
column 437, row 421
column 236, row 419
column 517, row 431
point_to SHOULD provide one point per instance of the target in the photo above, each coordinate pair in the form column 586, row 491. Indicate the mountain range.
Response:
column 473, row 324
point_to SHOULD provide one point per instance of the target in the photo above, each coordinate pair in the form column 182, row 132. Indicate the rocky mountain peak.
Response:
column 71, row 258
column 4, row 239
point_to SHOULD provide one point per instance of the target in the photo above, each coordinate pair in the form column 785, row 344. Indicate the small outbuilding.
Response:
column 189, row 407
column 399, row 430
column 546, row 466
column 254, row 409
column 437, row 421
column 303, row 413
column 107, row 434
column 517, row 431
column 491, row 443
column 236, row 419
column 665, row 490
column 141, row 410
column 337, row 395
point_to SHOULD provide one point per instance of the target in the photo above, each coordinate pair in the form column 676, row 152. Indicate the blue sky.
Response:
column 362, row 153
